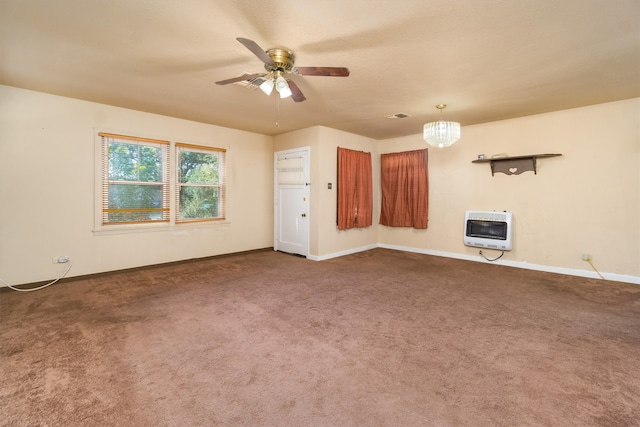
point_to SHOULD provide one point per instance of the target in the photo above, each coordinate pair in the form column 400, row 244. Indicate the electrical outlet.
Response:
column 586, row 257
column 60, row 259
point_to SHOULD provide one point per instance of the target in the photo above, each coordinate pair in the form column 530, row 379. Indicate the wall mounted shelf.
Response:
column 514, row 165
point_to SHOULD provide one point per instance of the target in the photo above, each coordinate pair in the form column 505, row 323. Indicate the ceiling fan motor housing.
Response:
column 283, row 60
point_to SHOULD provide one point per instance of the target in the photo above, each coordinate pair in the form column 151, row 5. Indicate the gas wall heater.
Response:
column 488, row 229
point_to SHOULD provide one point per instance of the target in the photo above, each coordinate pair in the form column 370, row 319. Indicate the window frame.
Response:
column 106, row 181
column 220, row 185
column 100, row 228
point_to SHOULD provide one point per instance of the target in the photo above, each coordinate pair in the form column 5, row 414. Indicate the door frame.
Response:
column 276, row 210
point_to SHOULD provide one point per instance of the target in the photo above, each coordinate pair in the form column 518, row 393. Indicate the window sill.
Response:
column 151, row 228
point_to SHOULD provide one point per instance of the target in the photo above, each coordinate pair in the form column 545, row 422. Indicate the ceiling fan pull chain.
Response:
column 277, row 112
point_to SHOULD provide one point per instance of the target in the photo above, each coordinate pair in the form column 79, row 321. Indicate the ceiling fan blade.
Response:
column 296, row 93
column 257, row 50
column 240, row 79
column 322, row 71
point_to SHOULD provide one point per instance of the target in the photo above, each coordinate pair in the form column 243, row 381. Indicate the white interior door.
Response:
column 291, row 202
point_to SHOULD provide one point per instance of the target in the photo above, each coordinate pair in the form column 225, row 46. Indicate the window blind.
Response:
column 135, row 180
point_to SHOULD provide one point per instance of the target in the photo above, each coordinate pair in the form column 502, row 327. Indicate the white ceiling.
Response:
column 488, row 60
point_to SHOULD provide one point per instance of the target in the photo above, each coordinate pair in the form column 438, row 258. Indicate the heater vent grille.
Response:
column 488, row 229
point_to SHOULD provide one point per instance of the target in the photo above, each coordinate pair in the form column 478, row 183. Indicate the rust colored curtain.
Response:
column 405, row 189
column 355, row 189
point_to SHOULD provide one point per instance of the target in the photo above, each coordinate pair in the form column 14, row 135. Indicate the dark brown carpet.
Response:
column 379, row 338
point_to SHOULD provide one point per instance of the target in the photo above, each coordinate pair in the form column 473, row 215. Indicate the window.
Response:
column 136, row 182
column 200, row 183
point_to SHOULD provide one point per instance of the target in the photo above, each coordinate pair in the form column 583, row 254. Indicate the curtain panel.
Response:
column 355, row 189
column 405, row 189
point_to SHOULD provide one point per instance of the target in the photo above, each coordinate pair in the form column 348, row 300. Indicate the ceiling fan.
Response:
column 279, row 63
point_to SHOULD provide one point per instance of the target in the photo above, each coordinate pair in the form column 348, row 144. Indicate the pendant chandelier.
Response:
column 441, row 133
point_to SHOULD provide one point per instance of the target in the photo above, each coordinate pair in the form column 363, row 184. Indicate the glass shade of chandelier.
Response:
column 279, row 82
column 441, row 133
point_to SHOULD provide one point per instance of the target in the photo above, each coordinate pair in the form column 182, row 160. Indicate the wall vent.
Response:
column 398, row 116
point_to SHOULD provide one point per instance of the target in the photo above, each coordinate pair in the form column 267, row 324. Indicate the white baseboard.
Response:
column 517, row 264
column 342, row 253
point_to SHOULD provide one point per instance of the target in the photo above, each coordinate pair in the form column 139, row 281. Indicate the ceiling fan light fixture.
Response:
column 267, row 86
column 283, row 87
column 285, row 92
column 441, row 133
column 279, row 62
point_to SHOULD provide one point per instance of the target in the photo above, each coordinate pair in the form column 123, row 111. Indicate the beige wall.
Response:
column 333, row 240
column 47, row 192
column 325, row 238
column 587, row 201
column 305, row 138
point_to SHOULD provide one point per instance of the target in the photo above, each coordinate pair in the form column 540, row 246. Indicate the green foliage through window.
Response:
column 136, row 185
column 200, row 179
